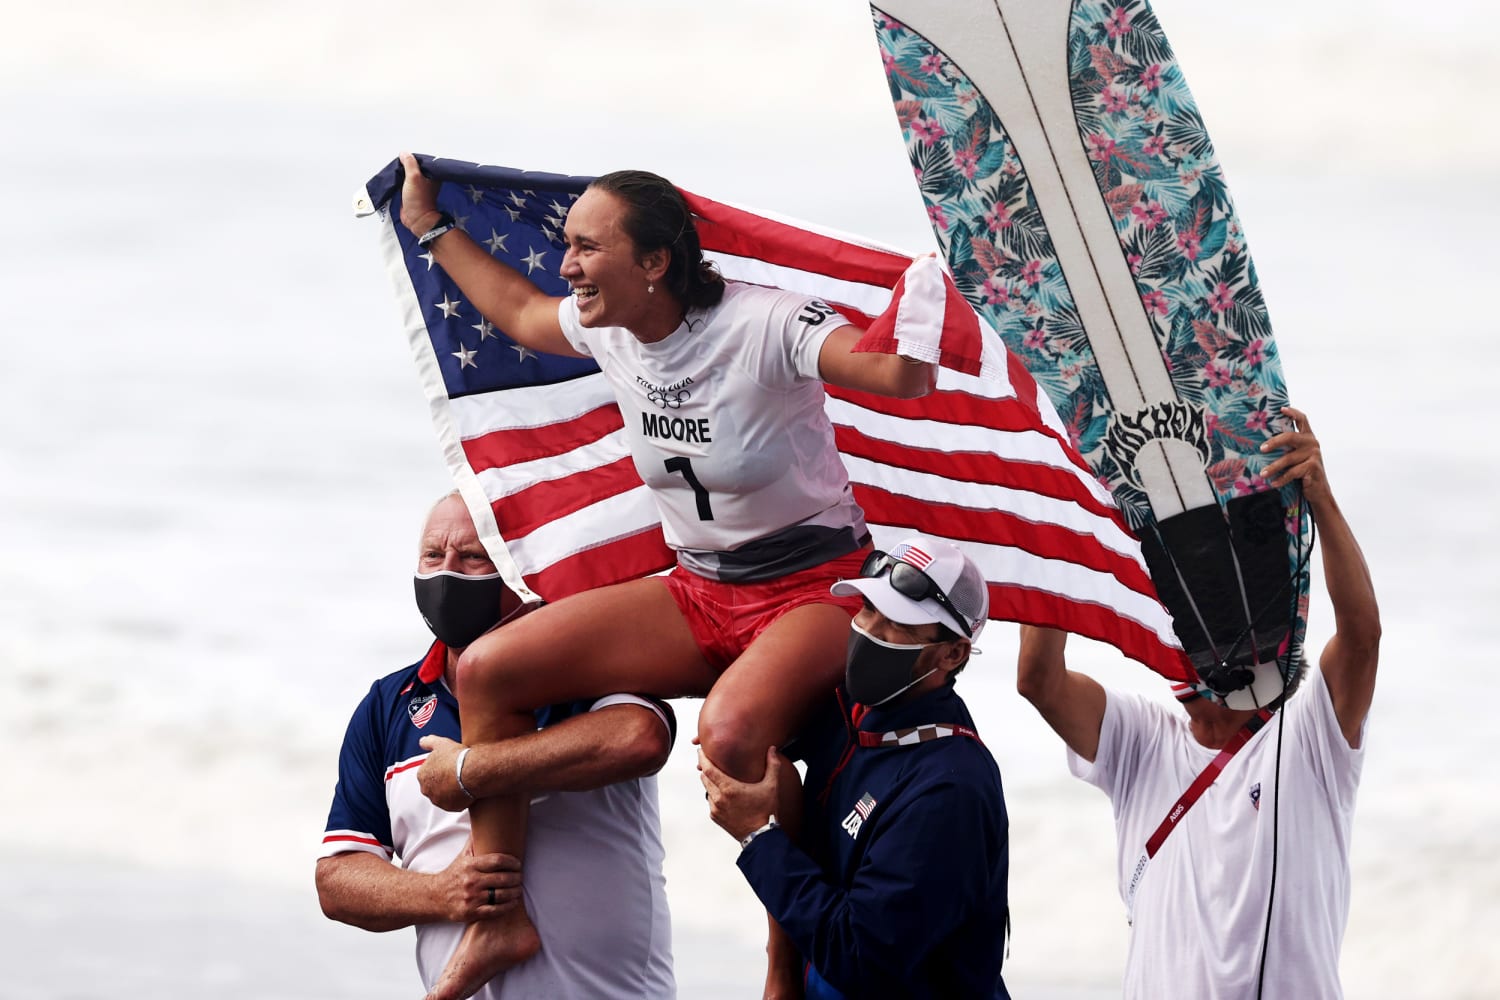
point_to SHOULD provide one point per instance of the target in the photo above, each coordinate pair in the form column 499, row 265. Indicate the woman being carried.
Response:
column 752, row 492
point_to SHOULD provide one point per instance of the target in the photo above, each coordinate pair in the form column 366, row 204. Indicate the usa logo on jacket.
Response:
column 858, row 815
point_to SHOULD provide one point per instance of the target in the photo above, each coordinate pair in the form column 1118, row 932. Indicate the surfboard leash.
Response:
column 1304, row 561
column 1265, row 941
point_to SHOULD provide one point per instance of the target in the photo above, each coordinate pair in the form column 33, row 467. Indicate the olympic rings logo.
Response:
column 668, row 399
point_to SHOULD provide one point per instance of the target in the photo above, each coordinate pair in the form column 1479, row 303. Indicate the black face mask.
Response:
column 458, row 608
column 877, row 671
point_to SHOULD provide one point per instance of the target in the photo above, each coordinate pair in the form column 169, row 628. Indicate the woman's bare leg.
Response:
column 628, row 637
column 766, row 695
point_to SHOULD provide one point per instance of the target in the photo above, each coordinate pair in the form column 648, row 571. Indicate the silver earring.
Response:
column 650, row 289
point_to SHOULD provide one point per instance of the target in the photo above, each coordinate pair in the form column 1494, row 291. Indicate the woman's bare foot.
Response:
column 487, row 949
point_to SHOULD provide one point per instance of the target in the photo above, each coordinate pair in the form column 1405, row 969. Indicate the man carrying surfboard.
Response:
column 1233, row 825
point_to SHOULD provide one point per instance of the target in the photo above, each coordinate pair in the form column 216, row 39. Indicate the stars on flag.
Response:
column 466, row 357
column 486, row 332
column 523, row 229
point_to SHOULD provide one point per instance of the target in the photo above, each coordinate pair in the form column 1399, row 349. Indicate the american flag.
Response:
column 912, row 554
column 536, row 444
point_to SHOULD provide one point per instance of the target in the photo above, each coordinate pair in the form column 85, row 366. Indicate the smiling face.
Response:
column 608, row 275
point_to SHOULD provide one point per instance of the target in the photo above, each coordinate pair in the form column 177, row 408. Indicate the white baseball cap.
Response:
column 942, row 564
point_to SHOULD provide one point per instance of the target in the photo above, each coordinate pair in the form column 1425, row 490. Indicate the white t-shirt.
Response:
column 725, row 417
column 1200, row 907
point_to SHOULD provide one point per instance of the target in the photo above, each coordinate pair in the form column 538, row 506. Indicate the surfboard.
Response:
column 1082, row 210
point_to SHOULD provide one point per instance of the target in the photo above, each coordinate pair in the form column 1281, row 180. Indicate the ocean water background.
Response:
column 214, row 456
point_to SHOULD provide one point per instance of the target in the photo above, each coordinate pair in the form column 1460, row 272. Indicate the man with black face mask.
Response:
column 895, row 885
column 593, row 880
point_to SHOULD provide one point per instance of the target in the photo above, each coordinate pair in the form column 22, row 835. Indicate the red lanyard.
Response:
column 1200, row 784
column 1185, row 801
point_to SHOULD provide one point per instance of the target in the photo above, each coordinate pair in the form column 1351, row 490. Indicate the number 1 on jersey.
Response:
column 685, row 466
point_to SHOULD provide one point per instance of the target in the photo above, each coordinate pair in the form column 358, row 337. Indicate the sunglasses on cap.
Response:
column 908, row 581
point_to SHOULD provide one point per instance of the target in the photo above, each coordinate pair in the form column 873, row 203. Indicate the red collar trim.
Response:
column 433, row 663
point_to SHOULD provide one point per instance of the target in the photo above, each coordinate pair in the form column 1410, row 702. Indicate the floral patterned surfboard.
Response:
column 1075, row 192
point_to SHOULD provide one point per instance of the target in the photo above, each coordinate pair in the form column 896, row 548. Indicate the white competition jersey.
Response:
column 726, row 424
column 1200, row 909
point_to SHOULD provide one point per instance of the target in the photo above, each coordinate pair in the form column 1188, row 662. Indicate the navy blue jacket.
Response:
column 898, row 888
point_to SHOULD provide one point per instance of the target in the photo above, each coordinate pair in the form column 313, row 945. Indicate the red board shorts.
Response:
column 725, row 618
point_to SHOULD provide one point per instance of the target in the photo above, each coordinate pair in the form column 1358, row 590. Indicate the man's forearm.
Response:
column 1347, row 576
column 1351, row 658
column 369, row 892
column 1072, row 703
column 588, row 751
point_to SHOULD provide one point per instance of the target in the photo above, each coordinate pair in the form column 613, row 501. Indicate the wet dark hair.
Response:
column 657, row 218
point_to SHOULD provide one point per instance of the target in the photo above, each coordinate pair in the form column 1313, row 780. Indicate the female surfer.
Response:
column 720, row 385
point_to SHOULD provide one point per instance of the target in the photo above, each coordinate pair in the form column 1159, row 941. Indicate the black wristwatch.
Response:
column 442, row 225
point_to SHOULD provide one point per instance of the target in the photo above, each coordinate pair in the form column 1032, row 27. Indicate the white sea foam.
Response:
column 215, row 455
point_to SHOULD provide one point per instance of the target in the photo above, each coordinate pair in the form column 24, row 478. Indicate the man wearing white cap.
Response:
column 896, row 884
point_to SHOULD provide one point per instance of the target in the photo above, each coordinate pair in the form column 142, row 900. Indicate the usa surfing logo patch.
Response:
column 421, row 708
